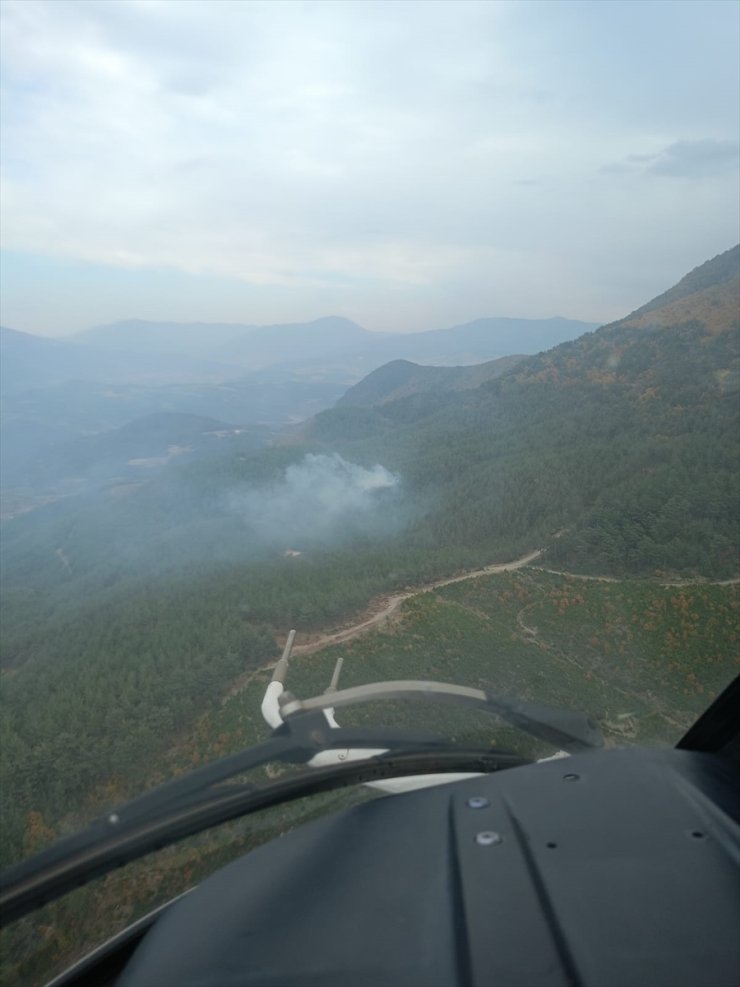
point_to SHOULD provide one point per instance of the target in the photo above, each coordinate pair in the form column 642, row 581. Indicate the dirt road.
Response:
column 386, row 606
column 616, row 579
column 380, row 609
column 377, row 611
column 575, row 575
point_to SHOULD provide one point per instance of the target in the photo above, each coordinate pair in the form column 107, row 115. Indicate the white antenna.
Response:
column 270, row 706
column 335, row 677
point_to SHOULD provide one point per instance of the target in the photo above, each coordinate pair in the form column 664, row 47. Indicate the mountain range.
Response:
column 57, row 393
column 616, row 451
column 138, row 351
column 30, row 362
column 707, row 299
column 624, row 441
column 338, row 340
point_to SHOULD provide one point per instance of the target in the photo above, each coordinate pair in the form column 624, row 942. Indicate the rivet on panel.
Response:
column 478, row 802
column 487, row 838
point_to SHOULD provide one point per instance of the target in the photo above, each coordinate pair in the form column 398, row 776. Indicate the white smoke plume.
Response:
column 322, row 499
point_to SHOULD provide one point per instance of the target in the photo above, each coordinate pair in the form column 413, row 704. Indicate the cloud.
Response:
column 697, row 159
column 390, row 148
column 320, row 501
column 701, row 158
column 244, row 142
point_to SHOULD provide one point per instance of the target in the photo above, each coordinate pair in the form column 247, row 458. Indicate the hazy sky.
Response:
column 408, row 165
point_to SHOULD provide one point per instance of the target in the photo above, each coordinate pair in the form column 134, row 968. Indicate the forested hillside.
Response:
column 401, row 378
column 704, row 285
column 623, row 442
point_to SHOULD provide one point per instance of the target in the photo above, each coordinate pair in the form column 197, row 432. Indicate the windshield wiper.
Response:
column 109, row 843
column 195, row 802
column 571, row 731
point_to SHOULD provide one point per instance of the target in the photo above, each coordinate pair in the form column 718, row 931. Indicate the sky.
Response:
column 408, row 165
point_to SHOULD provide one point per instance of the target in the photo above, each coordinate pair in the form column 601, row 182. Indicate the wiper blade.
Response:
column 95, row 852
column 295, row 742
column 304, row 733
column 569, row 730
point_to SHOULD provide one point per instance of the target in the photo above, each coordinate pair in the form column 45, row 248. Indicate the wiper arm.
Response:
column 295, row 742
column 304, row 733
column 158, row 817
column 98, row 850
column 571, row 731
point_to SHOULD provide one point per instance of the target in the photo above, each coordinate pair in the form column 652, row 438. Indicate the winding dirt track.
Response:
column 378, row 610
column 386, row 606
column 615, row 579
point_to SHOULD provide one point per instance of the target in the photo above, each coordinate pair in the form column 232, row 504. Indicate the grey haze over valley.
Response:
column 128, row 398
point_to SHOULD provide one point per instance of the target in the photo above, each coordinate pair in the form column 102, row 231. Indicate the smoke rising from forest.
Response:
column 321, row 500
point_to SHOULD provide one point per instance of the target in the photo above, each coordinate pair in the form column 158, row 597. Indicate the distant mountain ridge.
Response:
column 136, row 351
column 29, row 362
column 336, row 341
column 722, row 270
column 201, row 338
column 401, row 379
column 709, row 295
